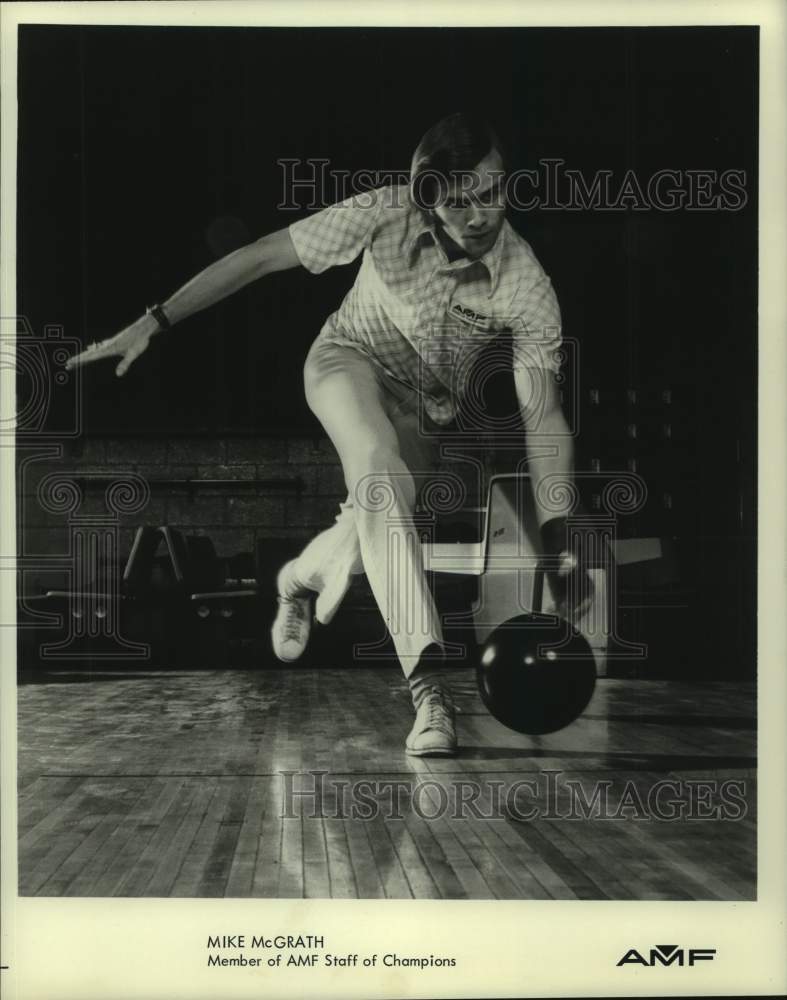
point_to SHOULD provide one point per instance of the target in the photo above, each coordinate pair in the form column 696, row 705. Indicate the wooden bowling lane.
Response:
column 294, row 783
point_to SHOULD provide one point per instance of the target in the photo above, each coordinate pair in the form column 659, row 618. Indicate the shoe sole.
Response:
column 288, row 659
column 431, row 752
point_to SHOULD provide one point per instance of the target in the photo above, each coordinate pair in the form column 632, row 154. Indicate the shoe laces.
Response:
column 294, row 618
column 439, row 710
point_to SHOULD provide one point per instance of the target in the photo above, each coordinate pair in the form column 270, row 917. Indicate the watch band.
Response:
column 160, row 317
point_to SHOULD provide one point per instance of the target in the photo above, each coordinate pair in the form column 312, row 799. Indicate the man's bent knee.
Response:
column 378, row 478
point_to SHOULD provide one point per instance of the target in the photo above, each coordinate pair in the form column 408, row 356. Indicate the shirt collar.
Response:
column 424, row 232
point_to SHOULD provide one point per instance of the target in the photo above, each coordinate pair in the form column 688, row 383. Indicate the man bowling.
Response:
column 442, row 273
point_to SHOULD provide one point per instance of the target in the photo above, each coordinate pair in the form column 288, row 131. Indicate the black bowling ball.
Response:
column 536, row 674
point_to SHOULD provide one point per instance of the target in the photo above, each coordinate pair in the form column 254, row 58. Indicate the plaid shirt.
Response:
column 418, row 316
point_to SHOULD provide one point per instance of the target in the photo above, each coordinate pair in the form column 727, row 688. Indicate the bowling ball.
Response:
column 536, row 674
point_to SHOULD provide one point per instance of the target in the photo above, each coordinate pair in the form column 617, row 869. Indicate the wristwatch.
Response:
column 160, row 317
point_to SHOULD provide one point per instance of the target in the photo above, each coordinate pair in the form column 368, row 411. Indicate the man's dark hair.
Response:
column 454, row 145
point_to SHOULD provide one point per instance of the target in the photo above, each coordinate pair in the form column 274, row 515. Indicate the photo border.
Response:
column 140, row 948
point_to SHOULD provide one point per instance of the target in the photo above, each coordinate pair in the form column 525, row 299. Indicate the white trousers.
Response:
column 378, row 429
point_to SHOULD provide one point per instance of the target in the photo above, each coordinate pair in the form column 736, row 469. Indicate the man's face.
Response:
column 474, row 209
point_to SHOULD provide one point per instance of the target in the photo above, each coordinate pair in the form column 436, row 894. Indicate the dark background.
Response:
column 147, row 152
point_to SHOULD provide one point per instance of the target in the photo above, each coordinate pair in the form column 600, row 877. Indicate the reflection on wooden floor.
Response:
column 176, row 784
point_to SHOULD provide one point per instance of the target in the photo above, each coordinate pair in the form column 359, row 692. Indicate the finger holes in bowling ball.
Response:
column 536, row 674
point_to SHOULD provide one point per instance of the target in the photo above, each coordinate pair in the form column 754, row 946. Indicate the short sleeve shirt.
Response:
column 417, row 315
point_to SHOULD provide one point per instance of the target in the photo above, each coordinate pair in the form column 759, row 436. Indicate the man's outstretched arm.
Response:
column 274, row 252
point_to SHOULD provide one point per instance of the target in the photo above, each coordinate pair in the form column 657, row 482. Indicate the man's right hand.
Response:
column 126, row 345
